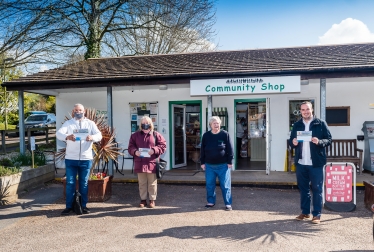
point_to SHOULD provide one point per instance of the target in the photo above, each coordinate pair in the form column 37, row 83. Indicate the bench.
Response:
column 340, row 150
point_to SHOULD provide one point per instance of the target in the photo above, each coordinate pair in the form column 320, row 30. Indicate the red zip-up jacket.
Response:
column 141, row 140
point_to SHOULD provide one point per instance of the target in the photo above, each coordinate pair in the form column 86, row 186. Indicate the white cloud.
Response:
column 43, row 68
column 348, row 31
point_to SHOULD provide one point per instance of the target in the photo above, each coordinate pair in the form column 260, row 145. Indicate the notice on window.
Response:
column 338, row 183
column 144, row 152
column 304, row 136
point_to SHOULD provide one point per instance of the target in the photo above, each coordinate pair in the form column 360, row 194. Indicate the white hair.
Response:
column 214, row 118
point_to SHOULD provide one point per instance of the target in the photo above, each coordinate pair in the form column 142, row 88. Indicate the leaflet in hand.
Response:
column 144, row 152
column 304, row 136
column 80, row 134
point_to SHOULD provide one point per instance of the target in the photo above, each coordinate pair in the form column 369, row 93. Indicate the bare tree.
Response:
column 21, row 35
column 53, row 31
column 181, row 26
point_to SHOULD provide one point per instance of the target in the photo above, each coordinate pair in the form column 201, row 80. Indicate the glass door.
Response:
column 179, row 153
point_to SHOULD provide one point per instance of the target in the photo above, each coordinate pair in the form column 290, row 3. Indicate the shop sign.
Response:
column 338, row 183
column 250, row 85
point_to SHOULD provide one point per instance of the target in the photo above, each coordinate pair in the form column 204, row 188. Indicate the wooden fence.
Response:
column 8, row 142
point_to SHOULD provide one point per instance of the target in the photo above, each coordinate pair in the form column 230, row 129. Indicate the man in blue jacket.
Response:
column 310, row 157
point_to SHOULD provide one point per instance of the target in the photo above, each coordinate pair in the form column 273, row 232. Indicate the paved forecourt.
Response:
column 262, row 220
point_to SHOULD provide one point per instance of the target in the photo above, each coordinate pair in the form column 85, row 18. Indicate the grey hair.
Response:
column 78, row 104
column 214, row 118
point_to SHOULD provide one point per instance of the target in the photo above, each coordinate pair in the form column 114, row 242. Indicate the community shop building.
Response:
column 261, row 89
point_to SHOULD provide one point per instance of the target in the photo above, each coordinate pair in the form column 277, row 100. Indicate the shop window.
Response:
column 338, row 116
column 138, row 110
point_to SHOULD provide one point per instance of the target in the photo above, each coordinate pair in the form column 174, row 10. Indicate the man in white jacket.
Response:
column 79, row 133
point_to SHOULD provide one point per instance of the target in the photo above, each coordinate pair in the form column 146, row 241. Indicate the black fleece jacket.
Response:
column 320, row 130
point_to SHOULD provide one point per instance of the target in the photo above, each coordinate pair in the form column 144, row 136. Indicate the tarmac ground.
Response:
column 262, row 219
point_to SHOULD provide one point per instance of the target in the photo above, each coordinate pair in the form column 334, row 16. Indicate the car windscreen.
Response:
column 34, row 118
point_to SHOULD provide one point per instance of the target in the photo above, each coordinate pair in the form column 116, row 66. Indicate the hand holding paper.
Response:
column 304, row 136
column 144, row 152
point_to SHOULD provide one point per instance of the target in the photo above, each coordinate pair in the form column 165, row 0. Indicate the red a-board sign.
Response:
column 338, row 183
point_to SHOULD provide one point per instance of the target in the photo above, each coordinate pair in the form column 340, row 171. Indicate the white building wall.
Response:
column 354, row 92
column 358, row 93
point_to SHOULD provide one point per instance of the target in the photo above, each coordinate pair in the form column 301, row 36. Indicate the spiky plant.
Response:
column 4, row 192
column 105, row 150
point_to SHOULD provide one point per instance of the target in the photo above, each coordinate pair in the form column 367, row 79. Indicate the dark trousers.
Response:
column 306, row 174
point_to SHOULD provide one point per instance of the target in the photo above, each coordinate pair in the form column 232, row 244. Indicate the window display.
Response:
column 138, row 110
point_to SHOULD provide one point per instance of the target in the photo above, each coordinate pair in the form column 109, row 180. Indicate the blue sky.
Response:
column 250, row 24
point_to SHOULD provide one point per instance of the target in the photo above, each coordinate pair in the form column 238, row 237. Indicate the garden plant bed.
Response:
column 13, row 185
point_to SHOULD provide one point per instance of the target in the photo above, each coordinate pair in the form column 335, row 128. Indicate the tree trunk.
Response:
column 93, row 42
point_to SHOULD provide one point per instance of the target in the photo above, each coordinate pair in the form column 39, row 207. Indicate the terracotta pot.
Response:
column 98, row 190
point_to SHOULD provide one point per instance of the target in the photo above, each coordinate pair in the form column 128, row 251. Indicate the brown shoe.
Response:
column 152, row 204
column 303, row 217
column 143, row 203
column 316, row 220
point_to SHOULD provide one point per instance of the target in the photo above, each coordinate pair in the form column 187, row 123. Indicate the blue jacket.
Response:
column 320, row 130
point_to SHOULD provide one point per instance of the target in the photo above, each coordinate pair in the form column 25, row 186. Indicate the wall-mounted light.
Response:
column 163, row 87
column 304, row 82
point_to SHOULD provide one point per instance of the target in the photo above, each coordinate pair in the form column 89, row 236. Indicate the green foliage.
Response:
column 26, row 160
column 37, row 102
column 6, row 162
column 22, row 160
column 13, row 119
column 6, row 171
column 2, row 126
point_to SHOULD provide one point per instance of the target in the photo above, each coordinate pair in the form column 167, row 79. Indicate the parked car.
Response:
column 39, row 120
column 27, row 114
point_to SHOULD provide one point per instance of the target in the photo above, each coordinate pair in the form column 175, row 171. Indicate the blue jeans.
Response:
column 82, row 169
column 224, row 177
column 314, row 175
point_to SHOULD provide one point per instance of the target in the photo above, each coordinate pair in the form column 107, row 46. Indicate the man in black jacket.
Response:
column 310, row 157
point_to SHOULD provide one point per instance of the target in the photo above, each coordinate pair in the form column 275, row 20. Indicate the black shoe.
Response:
column 207, row 206
column 67, row 211
column 86, row 210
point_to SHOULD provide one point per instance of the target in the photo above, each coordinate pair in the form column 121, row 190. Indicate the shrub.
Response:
column 26, row 160
column 6, row 162
column 6, row 171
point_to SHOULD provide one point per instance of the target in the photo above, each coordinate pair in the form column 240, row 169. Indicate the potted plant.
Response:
column 99, row 184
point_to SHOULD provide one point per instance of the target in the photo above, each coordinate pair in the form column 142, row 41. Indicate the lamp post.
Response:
column 5, row 93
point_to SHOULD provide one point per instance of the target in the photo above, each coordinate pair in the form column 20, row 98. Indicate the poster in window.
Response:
column 133, row 108
column 134, row 117
column 143, row 106
column 153, row 108
column 134, row 126
column 154, row 119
